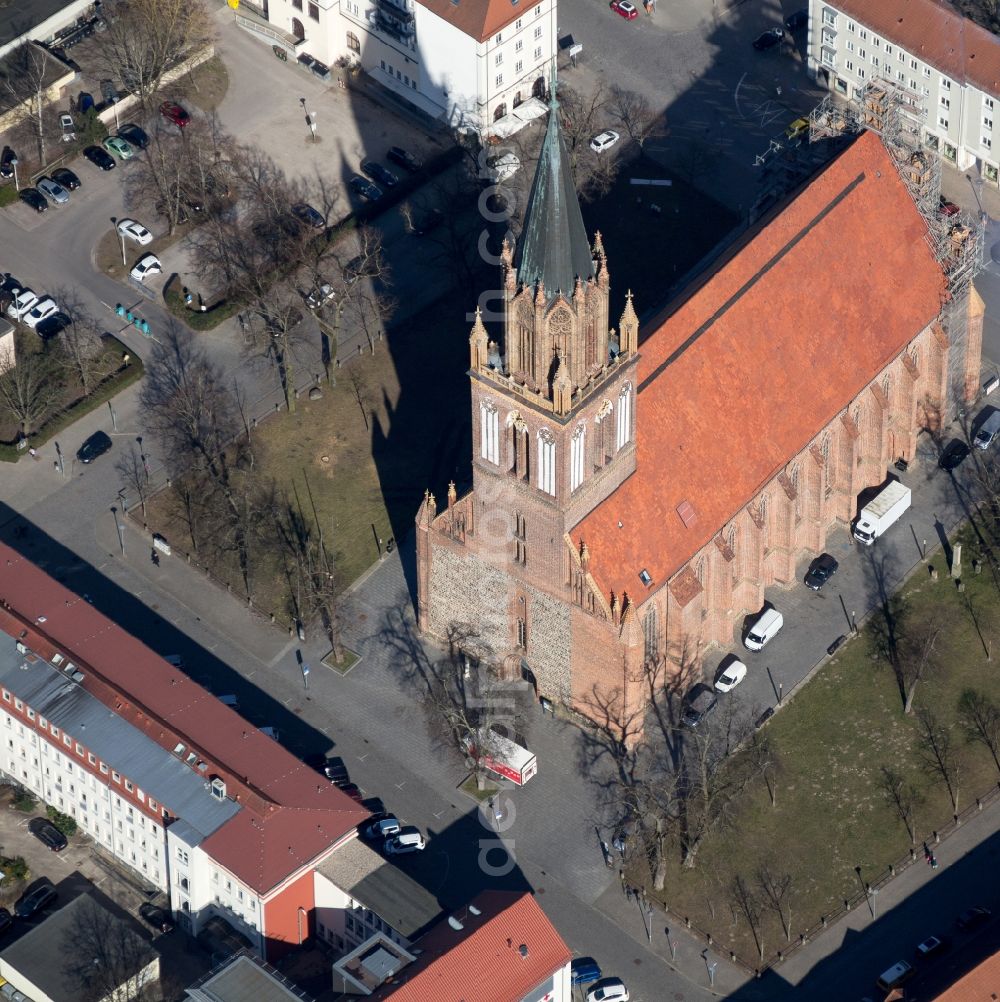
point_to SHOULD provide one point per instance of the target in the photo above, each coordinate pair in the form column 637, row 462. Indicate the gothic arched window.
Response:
column 578, row 453
column 651, row 634
column 489, row 432
column 546, row 462
column 625, row 415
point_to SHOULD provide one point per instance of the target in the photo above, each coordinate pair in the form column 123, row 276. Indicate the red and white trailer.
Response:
column 507, row 758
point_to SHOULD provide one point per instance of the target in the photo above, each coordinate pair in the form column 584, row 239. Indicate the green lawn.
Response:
column 834, row 737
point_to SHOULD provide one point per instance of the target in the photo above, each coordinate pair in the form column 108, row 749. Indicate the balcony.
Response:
column 394, row 20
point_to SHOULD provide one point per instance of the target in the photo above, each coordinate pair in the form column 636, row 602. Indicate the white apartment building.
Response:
column 464, row 62
column 947, row 62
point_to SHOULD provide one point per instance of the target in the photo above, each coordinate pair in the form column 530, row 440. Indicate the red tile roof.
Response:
column 935, row 33
column 290, row 813
column 980, row 985
column 479, row 18
column 752, row 365
column 484, row 961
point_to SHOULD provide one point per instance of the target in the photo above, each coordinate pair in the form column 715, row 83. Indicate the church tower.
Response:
column 554, row 402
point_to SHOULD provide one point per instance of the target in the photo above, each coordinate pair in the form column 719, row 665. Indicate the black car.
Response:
column 933, row 946
column 158, row 918
column 47, row 833
column 429, row 223
column 309, row 215
column 973, row 918
column 34, row 198
column 954, row 455
column 99, row 158
column 820, row 571
column 133, row 135
column 7, row 161
column 35, row 901
column 65, row 177
column 797, row 21
column 363, row 187
column 403, row 158
column 6, row 920
column 698, row 703
column 768, row 39
column 52, row 326
column 377, row 172
column 98, row 444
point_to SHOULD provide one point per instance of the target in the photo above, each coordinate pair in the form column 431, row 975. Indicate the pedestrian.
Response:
column 621, row 876
column 33, row 454
column 933, row 861
column 619, row 843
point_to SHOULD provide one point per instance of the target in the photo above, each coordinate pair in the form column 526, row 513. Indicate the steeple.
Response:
column 554, row 249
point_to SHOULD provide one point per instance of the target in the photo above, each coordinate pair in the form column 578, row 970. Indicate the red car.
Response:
column 626, row 9
column 948, row 208
column 173, row 112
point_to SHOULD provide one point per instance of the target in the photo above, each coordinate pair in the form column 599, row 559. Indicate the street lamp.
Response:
column 13, row 163
column 120, row 529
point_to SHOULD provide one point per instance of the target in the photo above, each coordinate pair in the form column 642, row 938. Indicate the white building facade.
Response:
column 467, row 64
column 947, row 63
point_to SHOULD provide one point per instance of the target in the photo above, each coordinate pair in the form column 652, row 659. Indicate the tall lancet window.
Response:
column 546, row 462
column 578, row 456
column 625, row 415
column 489, row 432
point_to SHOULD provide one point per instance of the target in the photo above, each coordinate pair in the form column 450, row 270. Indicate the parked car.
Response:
column 626, row 9
column 42, row 310
column 51, row 188
column 698, row 704
column 335, row 771
column 310, row 216
column 403, row 158
column 65, row 177
column 133, row 135
column 22, row 300
column 34, row 198
column 378, row 173
column 768, row 39
column 67, row 127
column 135, row 231
column 6, row 920
column 98, row 444
column 954, row 455
column 408, row 839
column 947, row 208
column 584, row 971
column 158, row 918
column 7, row 162
column 319, row 295
column 119, row 147
column 363, row 187
column 973, row 918
column 608, row 990
column 99, row 158
column 381, row 828
column 933, row 946
column 148, row 264
column 733, row 672
column 604, row 141
column 47, row 833
column 35, row 901
column 353, row 791
column 173, row 112
column 428, row 224
column 504, row 166
column 820, row 571
column 797, row 21
column 52, row 325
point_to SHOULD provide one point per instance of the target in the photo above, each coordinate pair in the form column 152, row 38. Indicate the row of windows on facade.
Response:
column 80, row 751
column 489, row 441
column 184, row 858
column 313, row 8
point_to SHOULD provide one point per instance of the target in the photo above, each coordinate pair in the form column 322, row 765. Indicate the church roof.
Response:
column 740, row 376
column 554, row 248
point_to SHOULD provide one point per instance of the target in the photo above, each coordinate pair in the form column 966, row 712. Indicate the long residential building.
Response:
column 160, row 773
column 948, row 65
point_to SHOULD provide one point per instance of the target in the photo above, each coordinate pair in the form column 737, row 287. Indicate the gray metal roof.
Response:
column 158, row 773
column 246, row 978
column 37, row 954
column 381, row 887
column 554, row 248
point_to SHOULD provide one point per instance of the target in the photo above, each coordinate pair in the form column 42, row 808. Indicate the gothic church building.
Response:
column 632, row 503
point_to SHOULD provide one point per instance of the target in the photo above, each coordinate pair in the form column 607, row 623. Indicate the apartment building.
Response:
column 467, row 63
column 162, row 775
column 949, row 65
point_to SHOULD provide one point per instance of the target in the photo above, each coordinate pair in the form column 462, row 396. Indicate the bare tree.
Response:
column 776, row 888
column 24, row 76
column 134, row 472
column 764, row 761
column 917, row 656
column 28, row 390
column 938, row 753
column 106, row 956
column 980, row 716
column 903, row 797
column 634, row 113
column 145, row 38
column 746, row 902
column 78, row 348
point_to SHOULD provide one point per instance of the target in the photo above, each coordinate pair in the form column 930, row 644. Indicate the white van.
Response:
column 894, row 977
column 989, row 431
column 764, row 628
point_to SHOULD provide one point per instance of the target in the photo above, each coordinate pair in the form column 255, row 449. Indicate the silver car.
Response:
column 52, row 189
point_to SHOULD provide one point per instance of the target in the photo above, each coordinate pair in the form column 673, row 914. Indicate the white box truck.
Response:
column 881, row 512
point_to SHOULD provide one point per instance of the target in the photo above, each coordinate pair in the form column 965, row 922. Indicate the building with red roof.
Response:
column 160, row 773
column 631, row 502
